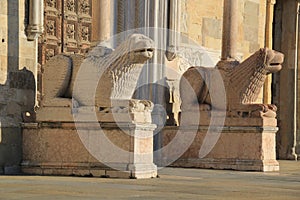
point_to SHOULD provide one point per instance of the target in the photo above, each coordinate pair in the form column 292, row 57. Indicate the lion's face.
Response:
column 141, row 48
column 273, row 60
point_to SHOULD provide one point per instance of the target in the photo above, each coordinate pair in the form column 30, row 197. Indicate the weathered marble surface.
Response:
column 242, row 84
column 59, row 149
column 104, row 75
column 238, row 148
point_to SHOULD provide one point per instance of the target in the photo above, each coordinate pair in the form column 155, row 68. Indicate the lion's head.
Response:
column 273, row 60
column 140, row 48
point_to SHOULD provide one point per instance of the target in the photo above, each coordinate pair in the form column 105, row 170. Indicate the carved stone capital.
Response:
column 34, row 31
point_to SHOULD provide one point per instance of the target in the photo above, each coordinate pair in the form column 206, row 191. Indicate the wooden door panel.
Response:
column 50, row 41
column 77, row 23
column 85, row 24
column 68, row 27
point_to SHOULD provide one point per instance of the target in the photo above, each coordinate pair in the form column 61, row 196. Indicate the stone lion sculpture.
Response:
column 242, row 83
column 97, row 79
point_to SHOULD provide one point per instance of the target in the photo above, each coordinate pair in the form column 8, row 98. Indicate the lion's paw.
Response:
column 140, row 105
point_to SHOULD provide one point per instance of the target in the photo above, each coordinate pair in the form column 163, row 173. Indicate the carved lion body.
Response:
column 242, row 82
column 100, row 77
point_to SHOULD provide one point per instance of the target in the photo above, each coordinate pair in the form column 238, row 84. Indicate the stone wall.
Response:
column 17, row 84
column 285, row 40
column 201, row 20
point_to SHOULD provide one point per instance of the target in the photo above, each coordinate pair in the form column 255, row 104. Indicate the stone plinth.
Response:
column 50, row 114
column 203, row 118
column 123, row 150
column 247, row 148
column 10, row 149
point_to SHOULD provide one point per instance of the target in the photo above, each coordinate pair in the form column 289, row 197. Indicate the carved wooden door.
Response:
column 67, row 29
column 67, row 26
column 76, row 23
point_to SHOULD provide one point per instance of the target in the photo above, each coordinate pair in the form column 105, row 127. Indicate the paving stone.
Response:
column 174, row 183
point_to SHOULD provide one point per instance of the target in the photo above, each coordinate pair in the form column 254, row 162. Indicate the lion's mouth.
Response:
column 144, row 50
column 274, row 67
column 275, row 62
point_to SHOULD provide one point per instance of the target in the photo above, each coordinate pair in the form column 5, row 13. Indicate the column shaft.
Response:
column 230, row 29
column 102, row 16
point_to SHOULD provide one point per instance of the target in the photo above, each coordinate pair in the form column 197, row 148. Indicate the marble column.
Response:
column 102, row 20
column 267, row 95
column 34, row 29
column 150, row 17
column 105, row 19
column 36, row 19
column 174, row 29
column 230, row 29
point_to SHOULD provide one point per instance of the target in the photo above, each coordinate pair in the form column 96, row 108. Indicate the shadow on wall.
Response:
column 17, row 96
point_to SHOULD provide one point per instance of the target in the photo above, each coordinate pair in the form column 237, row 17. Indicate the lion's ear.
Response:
column 263, row 50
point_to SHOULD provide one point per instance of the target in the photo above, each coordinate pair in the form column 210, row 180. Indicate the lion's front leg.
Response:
column 272, row 107
column 140, row 105
column 267, row 110
column 253, row 110
column 194, row 92
column 131, row 105
column 262, row 107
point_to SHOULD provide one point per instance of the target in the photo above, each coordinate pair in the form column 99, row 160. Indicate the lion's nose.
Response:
column 150, row 54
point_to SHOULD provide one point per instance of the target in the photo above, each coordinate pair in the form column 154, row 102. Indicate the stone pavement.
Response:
column 174, row 183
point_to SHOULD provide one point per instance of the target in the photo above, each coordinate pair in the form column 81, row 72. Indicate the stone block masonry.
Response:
column 60, row 149
column 232, row 151
column 18, row 61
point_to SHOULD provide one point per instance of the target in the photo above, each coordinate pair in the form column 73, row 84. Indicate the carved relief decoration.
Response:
column 50, row 27
column 67, row 27
column 49, row 42
column 51, row 3
column 85, row 33
column 50, row 53
column 70, row 5
column 84, row 6
column 70, row 31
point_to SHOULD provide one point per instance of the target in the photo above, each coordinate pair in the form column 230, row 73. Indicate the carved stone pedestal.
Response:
column 101, row 149
column 238, row 145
